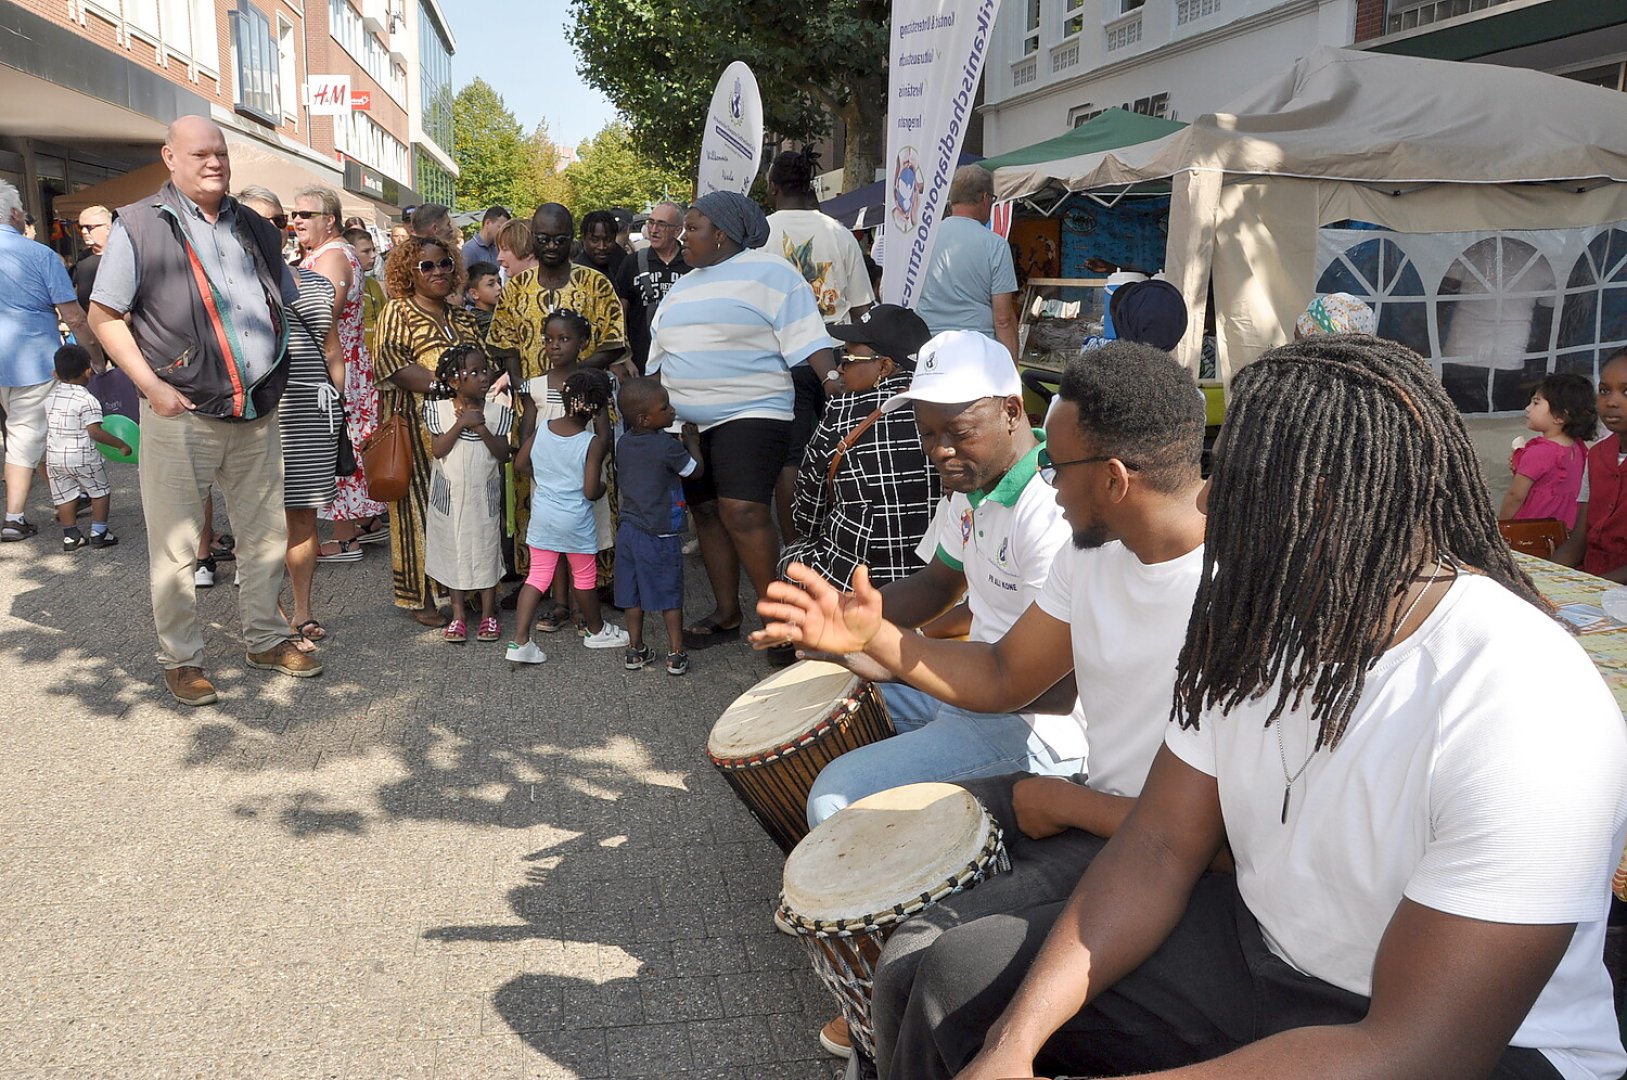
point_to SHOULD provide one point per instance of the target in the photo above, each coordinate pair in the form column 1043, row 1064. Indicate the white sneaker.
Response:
column 692, row 546
column 204, row 576
column 525, row 654
column 610, row 636
column 237, row 578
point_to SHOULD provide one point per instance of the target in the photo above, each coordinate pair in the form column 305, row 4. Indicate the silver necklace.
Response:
column 1290, row 779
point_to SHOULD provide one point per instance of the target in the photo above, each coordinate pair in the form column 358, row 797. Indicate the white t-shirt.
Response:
column 828, row 256
column 1128, row 621
column 1005, row 546
column 1483, row 774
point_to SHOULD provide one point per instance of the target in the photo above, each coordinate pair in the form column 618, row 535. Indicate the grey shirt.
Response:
column 229, row 266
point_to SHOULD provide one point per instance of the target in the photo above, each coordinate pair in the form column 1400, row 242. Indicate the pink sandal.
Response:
column 490, row 630
column 456, row 632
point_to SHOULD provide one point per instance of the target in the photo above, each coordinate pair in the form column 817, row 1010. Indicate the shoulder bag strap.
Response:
column 847, row 444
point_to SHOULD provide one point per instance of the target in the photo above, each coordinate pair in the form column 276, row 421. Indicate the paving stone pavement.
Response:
column 425, row 863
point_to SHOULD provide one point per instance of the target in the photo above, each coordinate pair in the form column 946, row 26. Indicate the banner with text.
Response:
column 936, row 52
column 734, row 134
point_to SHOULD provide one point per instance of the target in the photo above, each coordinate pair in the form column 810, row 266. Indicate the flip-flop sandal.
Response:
column 552, row 622
column 708, row 632
column 372, row 531
column 311, row 631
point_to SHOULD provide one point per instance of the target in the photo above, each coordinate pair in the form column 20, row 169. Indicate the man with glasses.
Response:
column 515, row 338
column 1122, row 454
column 95, row 222
column 645, row 277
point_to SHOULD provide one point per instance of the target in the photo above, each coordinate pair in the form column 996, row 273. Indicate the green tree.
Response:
column 543, row 180
column 610, row 170
column 658, row 62
column 492, row 152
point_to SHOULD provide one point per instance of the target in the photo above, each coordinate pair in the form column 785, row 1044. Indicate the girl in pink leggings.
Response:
column 565, row 457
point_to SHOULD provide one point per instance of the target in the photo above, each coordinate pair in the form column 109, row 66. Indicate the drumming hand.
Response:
column 818, row 616
column 1034, row 801
column 856, row 662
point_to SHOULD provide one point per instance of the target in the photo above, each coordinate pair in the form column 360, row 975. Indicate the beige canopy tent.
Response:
column 253, row 162
column 1410, row 145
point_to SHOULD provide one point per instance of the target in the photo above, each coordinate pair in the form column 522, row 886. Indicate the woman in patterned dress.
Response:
column 415, row 327
column 316, row 217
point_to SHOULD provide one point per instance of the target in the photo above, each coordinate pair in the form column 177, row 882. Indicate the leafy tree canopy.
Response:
column 659, row 60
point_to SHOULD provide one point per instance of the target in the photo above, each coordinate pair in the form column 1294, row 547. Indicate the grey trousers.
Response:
column 1212, row 987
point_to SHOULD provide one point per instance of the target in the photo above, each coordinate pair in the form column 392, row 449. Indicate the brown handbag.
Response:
column 387, row 460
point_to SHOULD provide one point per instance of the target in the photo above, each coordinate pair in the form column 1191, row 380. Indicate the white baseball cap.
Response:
column 960, row 366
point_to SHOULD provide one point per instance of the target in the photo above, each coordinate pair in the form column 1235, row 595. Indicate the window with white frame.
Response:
column 288, row 74
column 1127, row 6
column 1189, row 11
column 1031, row 29
column 1073, row 17
column 205, row 42
column 176, row 27
column 359, row 137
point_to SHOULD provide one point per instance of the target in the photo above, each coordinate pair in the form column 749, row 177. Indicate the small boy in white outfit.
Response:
column 73, row 427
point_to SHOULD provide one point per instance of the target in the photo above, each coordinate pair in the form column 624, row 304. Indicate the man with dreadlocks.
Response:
column 1422, row 867
column 1122, row 452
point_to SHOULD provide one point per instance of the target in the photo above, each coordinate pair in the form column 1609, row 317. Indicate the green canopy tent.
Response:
column 1110, row 130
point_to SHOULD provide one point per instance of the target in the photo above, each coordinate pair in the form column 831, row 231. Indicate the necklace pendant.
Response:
column 1287, row 792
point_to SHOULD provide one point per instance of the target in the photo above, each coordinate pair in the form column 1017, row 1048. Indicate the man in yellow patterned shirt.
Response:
column 515, row 338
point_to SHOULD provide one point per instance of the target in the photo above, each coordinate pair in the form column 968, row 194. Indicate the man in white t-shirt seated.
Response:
column 992, row 541
column 1123, row 447
column 1424, row 834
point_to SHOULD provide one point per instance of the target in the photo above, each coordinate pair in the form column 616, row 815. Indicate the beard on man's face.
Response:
column 1091, row 538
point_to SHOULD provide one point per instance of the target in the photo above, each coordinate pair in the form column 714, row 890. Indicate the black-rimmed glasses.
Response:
column 1048, row 466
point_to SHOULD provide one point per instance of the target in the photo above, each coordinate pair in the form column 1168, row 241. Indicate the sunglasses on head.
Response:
column 426, row 265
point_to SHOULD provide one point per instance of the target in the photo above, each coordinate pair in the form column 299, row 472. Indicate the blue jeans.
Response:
column 935, row 741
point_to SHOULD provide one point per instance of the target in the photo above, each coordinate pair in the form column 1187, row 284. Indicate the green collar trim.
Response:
column 1015, row 481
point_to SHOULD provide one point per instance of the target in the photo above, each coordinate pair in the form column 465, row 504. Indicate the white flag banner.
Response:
column 733, row 142
column 937, row 49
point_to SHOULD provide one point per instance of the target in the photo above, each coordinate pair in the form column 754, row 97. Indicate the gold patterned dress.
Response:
column 406, row 336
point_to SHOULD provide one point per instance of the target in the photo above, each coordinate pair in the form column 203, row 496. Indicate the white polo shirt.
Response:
column 1004, row 541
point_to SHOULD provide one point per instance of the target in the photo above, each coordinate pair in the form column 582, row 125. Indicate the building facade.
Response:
column 1057, row 63
column 87, row 88
column 1579, row 39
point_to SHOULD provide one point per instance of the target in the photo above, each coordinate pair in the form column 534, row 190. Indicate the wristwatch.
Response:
column 834, row 375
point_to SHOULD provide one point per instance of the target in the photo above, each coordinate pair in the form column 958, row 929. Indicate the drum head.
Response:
column 783, row 706
column 885, row 850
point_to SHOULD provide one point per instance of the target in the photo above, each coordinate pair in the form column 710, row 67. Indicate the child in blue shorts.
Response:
column 649, row 554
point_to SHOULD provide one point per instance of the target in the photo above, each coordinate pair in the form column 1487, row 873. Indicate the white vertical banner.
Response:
column 936, row 53
column 733, row 141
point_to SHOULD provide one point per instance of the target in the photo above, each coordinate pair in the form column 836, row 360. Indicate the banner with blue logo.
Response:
column 733, row 142
column 937, row 51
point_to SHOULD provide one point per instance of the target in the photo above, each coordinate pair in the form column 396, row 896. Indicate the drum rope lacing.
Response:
column 990, row 860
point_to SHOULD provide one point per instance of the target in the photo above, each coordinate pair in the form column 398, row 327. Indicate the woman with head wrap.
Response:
column 1335, row 313
column 723, row 343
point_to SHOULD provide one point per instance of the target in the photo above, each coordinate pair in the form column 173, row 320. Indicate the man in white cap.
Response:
column 991, row 542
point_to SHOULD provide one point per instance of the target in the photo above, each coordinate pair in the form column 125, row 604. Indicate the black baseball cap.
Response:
column 891, row 330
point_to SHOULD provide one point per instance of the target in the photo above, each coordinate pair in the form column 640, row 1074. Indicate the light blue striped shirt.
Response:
column 725, row 338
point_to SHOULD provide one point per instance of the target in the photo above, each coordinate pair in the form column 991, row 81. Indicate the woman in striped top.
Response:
column 723, row 343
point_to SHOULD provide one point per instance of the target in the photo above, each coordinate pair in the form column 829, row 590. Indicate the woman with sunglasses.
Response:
column 316, row 216
column 866, row 492
column 414, row 329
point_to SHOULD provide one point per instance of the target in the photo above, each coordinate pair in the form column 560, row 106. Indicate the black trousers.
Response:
column 1212, row 987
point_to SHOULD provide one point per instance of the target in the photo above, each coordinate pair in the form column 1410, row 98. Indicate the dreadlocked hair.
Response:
column 448, row 366
column 1343, row 469
column 587, row 392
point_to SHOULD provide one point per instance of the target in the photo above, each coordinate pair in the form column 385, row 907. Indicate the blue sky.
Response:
column 545, row 88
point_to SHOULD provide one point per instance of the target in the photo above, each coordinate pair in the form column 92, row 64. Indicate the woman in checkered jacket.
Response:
column 866, row 491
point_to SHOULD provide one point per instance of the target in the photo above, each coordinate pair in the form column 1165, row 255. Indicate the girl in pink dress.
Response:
column 1548, row 469
column 357, row 519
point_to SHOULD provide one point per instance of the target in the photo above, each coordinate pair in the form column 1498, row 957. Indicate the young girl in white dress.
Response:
column 463, row 530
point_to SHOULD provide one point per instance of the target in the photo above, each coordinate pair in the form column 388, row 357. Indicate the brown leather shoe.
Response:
column 286, row 659
column 835, row 1039
column 190, row 686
